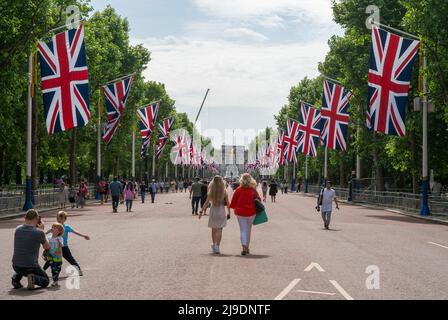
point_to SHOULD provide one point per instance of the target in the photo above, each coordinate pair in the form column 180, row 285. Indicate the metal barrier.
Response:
column 46, row 198
column 398, row 200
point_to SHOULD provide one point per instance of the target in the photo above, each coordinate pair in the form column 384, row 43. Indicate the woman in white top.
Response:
column 216, row 197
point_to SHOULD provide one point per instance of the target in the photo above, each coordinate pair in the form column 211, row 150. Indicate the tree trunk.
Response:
column 18, row 174
column 73, row 171
column 34, row 143
column 2, row 165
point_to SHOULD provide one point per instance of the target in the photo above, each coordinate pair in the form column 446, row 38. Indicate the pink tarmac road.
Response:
column 161, row 251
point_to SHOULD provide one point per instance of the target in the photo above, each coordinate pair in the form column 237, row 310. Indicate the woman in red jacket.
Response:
column 244, row 207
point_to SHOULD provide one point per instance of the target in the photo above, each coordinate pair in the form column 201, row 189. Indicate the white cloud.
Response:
column 238, row 75
column 244, row 34
column 246, row 9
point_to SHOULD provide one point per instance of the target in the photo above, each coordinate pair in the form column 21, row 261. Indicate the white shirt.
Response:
column 327, row 200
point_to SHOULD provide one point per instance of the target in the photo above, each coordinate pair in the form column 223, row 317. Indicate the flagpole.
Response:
column 120, row 78
column 306, row 175
column 154, row 163
column 98, row 148
column 424, row 211
column 28, row 192
column 326, row 167
column 133, row 153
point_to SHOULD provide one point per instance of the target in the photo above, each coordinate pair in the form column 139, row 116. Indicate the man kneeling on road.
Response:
column 325, row 200
column 27, row 240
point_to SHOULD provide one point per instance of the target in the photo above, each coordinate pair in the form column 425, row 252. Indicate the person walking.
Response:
column 195, row 196
column 153, row 190
column 28, row 238
column 280, row 185
column 217, row 199
column 285, row 185
column 185, row 186
column 129, row 195
column 325, row 201
column 62, row 195
column 243, row 204
column 115, row 192
column 143, row 191
column 82, row 194
column 264, row 189
column 204, row 192
column 273, row 190
column 106, row 191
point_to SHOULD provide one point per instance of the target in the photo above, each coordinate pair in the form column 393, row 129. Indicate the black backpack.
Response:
column 321, row 195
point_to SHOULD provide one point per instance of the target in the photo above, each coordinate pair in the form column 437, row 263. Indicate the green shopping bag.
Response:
column 260, row 218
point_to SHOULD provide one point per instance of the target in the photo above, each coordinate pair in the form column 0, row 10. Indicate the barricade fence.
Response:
column 43, row 198
column 409, row 202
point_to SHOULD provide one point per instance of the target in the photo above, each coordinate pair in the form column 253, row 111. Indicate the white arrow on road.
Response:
column 314, row 265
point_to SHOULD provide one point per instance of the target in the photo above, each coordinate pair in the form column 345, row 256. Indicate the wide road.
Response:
column 161, row 251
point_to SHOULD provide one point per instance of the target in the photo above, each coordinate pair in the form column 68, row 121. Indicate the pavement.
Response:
column 161, row 251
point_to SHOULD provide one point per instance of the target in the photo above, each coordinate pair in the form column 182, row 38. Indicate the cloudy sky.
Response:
column 248, row 52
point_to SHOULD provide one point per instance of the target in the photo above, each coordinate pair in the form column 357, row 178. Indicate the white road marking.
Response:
column 436, row 244
column 285, row 291
column 341, row 290
column 314, row 265
column 316, row 292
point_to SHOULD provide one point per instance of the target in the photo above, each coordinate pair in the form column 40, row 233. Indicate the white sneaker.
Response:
column 31, row 282
column 217, row 250
column 55, row 284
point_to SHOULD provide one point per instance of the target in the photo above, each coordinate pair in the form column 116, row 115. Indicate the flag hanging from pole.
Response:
column 65, row 80
column 291, row 140
column 164, row 131
column 280, row 147
column 309, row 130
column 116, row 95
column 148, row 116
column 335, row 116
column 181, row 148
column 391, row 62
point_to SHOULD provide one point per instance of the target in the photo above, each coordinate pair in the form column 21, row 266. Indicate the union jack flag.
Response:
column 164, row 130
column 65, row 81
column 291, row 140
column 116, row 95
column 280, row 147
column 335, row 117
column 195, row 154
column 181, row 148
column 309, row 130
column 147, row 115
column 391, row 62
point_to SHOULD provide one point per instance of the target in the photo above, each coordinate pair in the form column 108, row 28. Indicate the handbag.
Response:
column 260, row 218
column 259, row 207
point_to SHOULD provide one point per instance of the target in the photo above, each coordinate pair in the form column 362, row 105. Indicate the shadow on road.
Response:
column 332, row 229
column 254, row 256
column 27, row 293
column 402, row 219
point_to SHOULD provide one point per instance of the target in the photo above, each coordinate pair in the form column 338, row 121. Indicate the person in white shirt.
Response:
column 325, row 201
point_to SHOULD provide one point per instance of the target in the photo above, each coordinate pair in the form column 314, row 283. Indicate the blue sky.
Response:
column 248, row 52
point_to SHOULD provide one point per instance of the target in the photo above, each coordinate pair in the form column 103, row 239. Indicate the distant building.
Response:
column 233, row 160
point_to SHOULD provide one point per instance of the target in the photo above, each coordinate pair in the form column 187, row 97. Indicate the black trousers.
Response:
column 153, row 196
column 195, row 204
column 55, row 269
column 115, row 200
column 40, row 276
column 67, row 255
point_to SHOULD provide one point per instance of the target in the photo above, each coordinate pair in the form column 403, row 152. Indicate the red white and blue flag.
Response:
column 335, row 116
column 164, row 131
column 148, row 116
column 65, row 81
column 116, row 95
column 309, row 130
column 391, row 62
column 291, row 141
column 181, row 148
column 280, row 158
